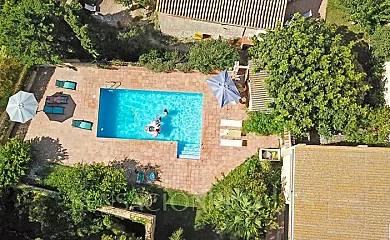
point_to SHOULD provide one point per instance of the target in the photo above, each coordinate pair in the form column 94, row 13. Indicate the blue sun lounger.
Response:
column 87, row 125
column 66, row 84
column 54, row 110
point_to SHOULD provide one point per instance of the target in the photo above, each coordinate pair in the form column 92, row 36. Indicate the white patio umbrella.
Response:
column 22, row 107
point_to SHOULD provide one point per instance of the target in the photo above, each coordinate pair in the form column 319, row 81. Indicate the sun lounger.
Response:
column 140, row 177
column 231, row 143
column 230, row 132
column 57, row 99
column 82, row 124
column 231, row 123
column 54, row 110
column 66, row 84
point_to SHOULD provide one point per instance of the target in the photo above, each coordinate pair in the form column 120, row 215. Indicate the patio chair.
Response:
column 230, row 132
column 54, row 110
column 231, row 123
column 140, row 177
column 57, row 99
column 151, row 177
column 231, row 143
column 87, row 125
column 66, row 84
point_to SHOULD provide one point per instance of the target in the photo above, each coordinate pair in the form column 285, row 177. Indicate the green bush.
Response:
column 209, row 55
column 162, row 61
column 263, row 124
column 380, row 42
column 244, row 204
column 14, row 158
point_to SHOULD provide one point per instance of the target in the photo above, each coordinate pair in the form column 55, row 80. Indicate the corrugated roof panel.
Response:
column 248, row 13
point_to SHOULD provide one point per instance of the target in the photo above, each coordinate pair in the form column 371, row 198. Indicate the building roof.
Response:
column 341, row 193
column 248, row 13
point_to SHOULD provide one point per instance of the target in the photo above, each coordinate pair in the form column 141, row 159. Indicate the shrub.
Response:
column 244, row 204
column 14, row 158
column 380, row 42
column 209, row 55
column 162, row 61
column 263, row 124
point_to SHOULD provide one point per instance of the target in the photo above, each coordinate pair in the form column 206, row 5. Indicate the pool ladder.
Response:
column 114, row 85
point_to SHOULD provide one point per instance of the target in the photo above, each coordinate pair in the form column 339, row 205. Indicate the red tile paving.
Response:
column 195, row 176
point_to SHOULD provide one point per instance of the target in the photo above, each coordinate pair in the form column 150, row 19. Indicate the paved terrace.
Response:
column 195, row 176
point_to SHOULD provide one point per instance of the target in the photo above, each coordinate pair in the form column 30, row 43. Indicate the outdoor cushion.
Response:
column 82, row 124
column 140, row 177
column 230, row 132
column 66, row 84
column 57, row 99
column 54, row 110
column 231, row 143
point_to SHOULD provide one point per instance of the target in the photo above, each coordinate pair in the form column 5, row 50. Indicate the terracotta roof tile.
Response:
column 341, row 193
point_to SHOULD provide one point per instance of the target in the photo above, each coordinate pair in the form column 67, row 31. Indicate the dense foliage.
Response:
column 158, row 61
column 27, row 215
column 10, row 70
column 368, row 13
column 34, row 32
column 84, row 188
column 380, row 42
column 209, row 55
column 205, row 56
column 315, row 79
column 263, row 124
column 14, row 158
column 244, row 204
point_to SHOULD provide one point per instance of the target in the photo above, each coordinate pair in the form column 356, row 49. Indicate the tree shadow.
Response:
column 172, row 217
column 132, row 168
column 48, row 149
column 46, row 154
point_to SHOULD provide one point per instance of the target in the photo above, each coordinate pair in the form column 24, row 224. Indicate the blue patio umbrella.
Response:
column 224, row 88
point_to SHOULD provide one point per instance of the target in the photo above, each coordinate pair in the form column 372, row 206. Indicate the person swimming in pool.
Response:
column 165, row 112
column 153, row 128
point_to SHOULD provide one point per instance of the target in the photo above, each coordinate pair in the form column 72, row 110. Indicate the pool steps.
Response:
column 188, row 151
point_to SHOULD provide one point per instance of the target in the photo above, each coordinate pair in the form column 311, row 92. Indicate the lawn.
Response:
column 335, row 13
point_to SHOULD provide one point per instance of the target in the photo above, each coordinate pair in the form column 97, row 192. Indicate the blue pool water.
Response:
column 125, row 113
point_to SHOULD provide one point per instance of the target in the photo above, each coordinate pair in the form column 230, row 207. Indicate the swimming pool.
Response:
column 124, row 114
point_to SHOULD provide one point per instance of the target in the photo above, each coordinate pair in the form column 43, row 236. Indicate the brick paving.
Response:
column 195, row 176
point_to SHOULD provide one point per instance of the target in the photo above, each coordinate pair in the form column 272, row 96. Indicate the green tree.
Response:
column 380, row 42
column 368, row 13
column 35, row 32
column 314, row 79
column 263, row 124
column 14, row 158
column 73, row 16
column 210, row 55
column 32, row 32
column 244, row 204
